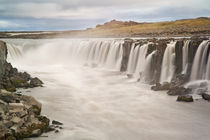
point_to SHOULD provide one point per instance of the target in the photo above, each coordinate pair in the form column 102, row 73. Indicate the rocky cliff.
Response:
column 3, row 57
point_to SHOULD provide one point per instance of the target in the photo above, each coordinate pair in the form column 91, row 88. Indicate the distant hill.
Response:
column 185, row 27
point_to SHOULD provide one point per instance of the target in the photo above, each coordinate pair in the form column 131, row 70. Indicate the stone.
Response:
column 178, row 91
column 8, row 124
column 56, row 131
column 35, row 82
column 185, row 98
column 206, row 96
column 56, row 123
column 36, row 133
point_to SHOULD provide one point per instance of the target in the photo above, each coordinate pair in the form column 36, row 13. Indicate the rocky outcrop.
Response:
column 3, row 57
column 178, row 57
column 12, row 79
column 20, row 117
column 126, row 51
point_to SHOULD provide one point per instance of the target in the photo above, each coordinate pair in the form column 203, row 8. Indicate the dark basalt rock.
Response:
column 158, row 86
column 21, row 120
column 178, row 59
column 56, row 123
column 178, row 91
column 185, row 98
column 35, row 82
column 206, row 96
column 13, row 79
column 126, row 51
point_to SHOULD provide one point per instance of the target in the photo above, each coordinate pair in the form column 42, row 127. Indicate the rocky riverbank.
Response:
column 20, row 115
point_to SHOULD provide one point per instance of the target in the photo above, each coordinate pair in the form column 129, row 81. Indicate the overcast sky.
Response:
column 80, row 14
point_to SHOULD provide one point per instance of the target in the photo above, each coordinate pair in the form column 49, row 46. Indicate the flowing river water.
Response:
column 96, row 101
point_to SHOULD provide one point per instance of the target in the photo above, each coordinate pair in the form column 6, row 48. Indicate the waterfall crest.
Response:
column 185, row 51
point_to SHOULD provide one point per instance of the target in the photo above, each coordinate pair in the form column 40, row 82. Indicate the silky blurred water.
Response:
column 97, row 103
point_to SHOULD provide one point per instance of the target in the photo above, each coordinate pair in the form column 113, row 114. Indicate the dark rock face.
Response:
column 185, row 98
column 35, row 82
column 3, row 57
column 56, row 122
column 178, row 91
column 178, row 58
column 126, row 52
column 12, row 79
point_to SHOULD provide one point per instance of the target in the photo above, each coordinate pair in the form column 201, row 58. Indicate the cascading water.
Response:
column 185, row 51
column 168, row 68
column 13, row 52
column 147, row 73
column 139, row 64
column 102, row 104
column 133, row 59
column 141, row 61
column 200, row 68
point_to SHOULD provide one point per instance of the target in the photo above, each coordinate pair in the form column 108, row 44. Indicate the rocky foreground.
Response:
column 20, row 115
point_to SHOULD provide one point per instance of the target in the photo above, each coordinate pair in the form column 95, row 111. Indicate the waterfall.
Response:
column 147, row 73
column 13, row 52
column 200, row 68
column 109, row 53
column 168, row 68
column 94, row 53
column 207, row 77
column 131, row 59
column 141, row 61
column 139, row 64
column 185, row 51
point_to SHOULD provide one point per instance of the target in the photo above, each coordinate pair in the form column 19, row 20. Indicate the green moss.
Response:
column 36, row 110
column 17, row 83
column 185, row 99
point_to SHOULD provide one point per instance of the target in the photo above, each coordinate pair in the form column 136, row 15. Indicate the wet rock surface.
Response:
column 20, row 119
column 185, row 98
column 206, row 96
column 12, row 79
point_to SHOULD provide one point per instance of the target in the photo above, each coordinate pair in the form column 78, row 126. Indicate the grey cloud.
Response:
column 74, row 14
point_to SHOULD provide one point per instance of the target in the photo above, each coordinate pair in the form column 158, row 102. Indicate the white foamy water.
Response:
column 97, row 102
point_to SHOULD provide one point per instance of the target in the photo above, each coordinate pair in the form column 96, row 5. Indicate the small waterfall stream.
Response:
column 200, row 64
column 168, row 68
column 185, row 51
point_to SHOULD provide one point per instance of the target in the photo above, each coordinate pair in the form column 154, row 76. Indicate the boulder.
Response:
column 185, row 98
column 35, row 82
column 36, row 133
column 206, row 96
column 178, row 91
column 158, row 86
column 56, row 123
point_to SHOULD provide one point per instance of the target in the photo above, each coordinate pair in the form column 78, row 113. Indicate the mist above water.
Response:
column 85, row 90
